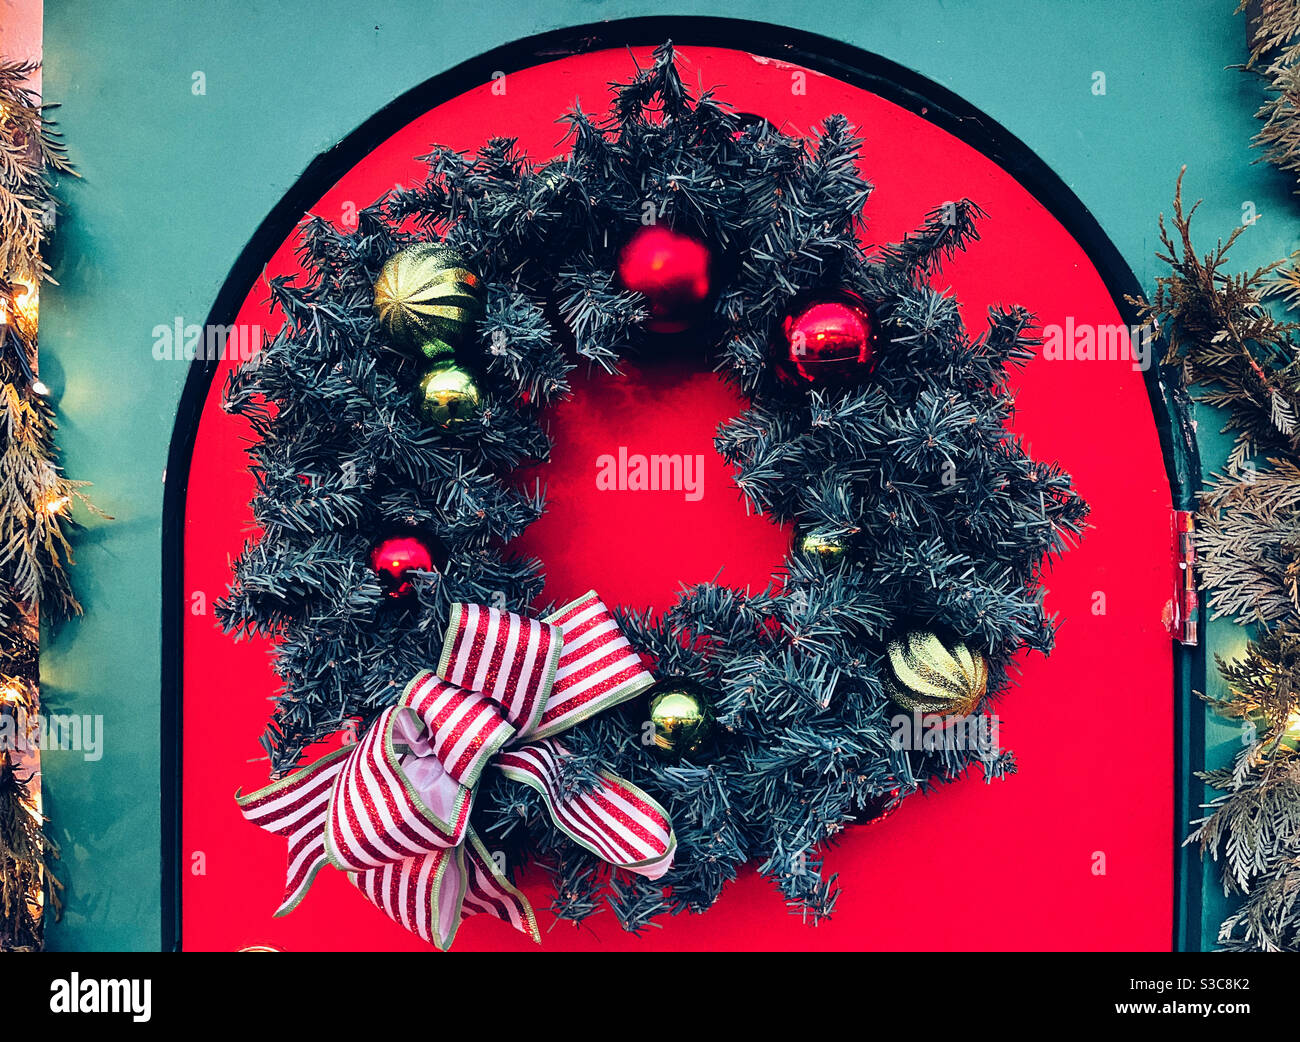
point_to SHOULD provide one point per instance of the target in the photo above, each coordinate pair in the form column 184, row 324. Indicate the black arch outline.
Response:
column 862, row 69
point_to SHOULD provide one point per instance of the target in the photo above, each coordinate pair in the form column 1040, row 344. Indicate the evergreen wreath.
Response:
column 945, row 519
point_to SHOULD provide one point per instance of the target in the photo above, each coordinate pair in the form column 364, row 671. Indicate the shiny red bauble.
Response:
column 393, row 558
column 673, row 271
column 829, row 342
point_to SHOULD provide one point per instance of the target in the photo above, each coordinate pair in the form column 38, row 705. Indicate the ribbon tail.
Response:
column 423, row 894
column 297, row 807
column 616, row 821
column 431, row 895
column 491, row 893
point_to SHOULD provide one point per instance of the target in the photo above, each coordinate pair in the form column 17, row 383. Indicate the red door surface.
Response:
column 1073, row 852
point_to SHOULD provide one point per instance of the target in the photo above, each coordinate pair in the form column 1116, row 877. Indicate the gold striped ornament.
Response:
column 427, row 298
column 930, row 675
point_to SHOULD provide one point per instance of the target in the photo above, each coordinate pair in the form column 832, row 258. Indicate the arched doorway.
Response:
column 1027, row 847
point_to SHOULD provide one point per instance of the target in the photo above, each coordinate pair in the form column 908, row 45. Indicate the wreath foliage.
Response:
column 948, row 520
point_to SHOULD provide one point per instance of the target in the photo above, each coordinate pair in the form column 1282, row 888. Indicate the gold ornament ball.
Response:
column 447, row 395
column 682, row 718
column 933, row 674
column 427, row 299
column 824, row 548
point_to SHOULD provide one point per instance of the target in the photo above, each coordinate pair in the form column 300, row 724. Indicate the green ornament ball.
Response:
column 447, row 395
column 682, row 715
column 427, row 299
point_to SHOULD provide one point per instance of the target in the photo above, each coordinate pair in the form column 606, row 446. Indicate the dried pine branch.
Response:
column 35, row 495
column 1223, row 332
column 27, row 856
column 1274, row 29
column 1253, row 826
column 1248, row 543
column 1220, row 329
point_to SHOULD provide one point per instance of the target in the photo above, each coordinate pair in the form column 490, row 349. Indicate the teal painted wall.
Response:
column 174, row 185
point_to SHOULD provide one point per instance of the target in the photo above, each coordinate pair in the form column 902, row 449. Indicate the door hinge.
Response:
column 1183, row 610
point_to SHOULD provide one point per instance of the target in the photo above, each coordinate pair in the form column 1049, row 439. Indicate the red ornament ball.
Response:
column 673, row 271
column 829, row 342
column 394, row 557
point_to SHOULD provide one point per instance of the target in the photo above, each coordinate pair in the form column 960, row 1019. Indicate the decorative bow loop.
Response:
column 393, row 810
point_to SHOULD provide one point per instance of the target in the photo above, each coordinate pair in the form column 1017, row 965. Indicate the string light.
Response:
column 26, row 300
column 9, row 338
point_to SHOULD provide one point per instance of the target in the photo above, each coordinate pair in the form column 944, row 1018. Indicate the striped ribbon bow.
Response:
column 393, row 809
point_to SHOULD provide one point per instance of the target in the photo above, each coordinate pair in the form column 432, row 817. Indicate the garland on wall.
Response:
column 409, row 380
column 1231, row 343
column 35, row 498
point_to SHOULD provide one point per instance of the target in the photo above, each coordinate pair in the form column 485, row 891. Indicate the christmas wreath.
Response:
column 411, row 377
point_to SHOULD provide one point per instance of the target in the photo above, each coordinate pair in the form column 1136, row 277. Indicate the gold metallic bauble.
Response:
column 931, row 674
column 682, row 718
column 825, row 548
column 427, row 299
column 448, row 395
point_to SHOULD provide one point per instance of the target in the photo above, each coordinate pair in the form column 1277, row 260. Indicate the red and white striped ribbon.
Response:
column 393, row 810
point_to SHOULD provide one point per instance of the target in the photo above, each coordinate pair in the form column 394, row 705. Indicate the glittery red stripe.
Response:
column 419, row 693
column 557, row 710
column 487, row 720
column 651, row 843
column 504, row 622
column 609, row 642
column 358, row 847
column 315, row 840
column 478, row 642
column 522, row 695
column 449, row 705
column 547, row 635
column 311, row 788
column 445, row 736
column 572, row 634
